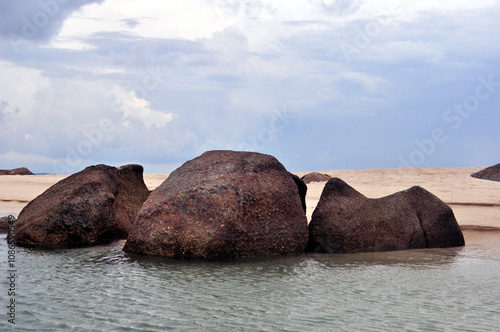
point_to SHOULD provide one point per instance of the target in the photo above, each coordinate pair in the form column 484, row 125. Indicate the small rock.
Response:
column 316, row 177
column 490, row 173
column 16, row 171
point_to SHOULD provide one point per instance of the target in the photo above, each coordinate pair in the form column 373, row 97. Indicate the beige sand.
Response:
column 475, row 202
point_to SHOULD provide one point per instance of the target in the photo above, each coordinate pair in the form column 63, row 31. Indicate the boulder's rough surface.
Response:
column 346, row 221
column 316, row 177
column 16, row 171
column 223, row 204
column 95, row 206
column 490, row 173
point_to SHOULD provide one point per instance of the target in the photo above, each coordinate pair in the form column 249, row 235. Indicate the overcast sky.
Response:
column 319, row 84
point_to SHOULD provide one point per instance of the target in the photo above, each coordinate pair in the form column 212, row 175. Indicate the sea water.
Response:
column 105, row 289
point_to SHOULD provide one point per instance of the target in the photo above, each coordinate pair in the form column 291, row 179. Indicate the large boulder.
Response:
column 223, row 204
column 95, row 206
column 346, row 221
column 316, row 177
column 16, row 171
column 490, row 173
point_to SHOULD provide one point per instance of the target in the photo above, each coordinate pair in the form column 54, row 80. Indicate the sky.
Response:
column 319, row 84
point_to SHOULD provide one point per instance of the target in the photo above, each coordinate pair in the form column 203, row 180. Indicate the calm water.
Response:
column 104, row 289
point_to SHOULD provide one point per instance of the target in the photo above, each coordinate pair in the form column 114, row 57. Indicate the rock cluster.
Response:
column 95, row 206
column 223, row 204
column 226, row 204
column 346, row 221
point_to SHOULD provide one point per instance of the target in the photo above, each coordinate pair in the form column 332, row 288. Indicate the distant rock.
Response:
column 491, row 173
column 223, row 204
column 95, row 206
column 346, row 221
column 16, row 171
column 316, row 177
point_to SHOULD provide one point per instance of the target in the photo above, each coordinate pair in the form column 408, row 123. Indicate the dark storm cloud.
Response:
column 36, row 21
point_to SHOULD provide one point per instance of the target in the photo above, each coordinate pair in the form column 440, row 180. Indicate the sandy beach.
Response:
column 476, row 203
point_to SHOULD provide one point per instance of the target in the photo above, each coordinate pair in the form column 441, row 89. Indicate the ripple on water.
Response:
column 104, row 288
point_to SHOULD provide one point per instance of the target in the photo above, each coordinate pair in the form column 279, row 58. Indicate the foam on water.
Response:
column 103, row 288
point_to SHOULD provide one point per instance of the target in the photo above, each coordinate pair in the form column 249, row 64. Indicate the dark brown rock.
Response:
column 4, row 221
column 3, row 224
column 95, row 206
column 346, row 221
column 7, row 225
column 301, row 185
column 16, row 171
column 490, row 173
column 316, row 177
column 223, row 204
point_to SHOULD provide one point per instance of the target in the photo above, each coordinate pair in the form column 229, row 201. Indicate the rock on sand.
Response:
column 16, row 171
column 490, row 173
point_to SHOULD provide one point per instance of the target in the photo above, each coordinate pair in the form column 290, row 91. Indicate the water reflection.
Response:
column 105, row 288
column 415, row 257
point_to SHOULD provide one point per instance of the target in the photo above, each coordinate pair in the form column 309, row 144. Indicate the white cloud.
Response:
column 445, row 6
column 19, row 85
column 136, row 108
column 404, row 52
column 188, row 19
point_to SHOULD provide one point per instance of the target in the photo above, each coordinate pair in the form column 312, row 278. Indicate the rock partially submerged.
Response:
column 316, row 177
column 223, row 204
column 346, row 221
column 95, row 206
column 490, row 173
column 16, row 171
column 4, row 223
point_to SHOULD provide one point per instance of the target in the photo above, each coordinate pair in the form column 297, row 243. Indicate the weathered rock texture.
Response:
column 346, row 221
column 95, row 206
column 16, row 171
column 223, row 204
column 4, row 222
column 491, row 173
column 316, row 177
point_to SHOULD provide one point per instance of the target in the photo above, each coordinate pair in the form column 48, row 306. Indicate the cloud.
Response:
column 170, row 89
column 130, row 22
column 339, row 6
column 136, row 108
column 36, row 21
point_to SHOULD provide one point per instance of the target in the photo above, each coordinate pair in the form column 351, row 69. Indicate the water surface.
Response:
column 103, row 288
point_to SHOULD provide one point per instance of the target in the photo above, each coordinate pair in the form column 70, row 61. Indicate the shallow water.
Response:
column 103, row 288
